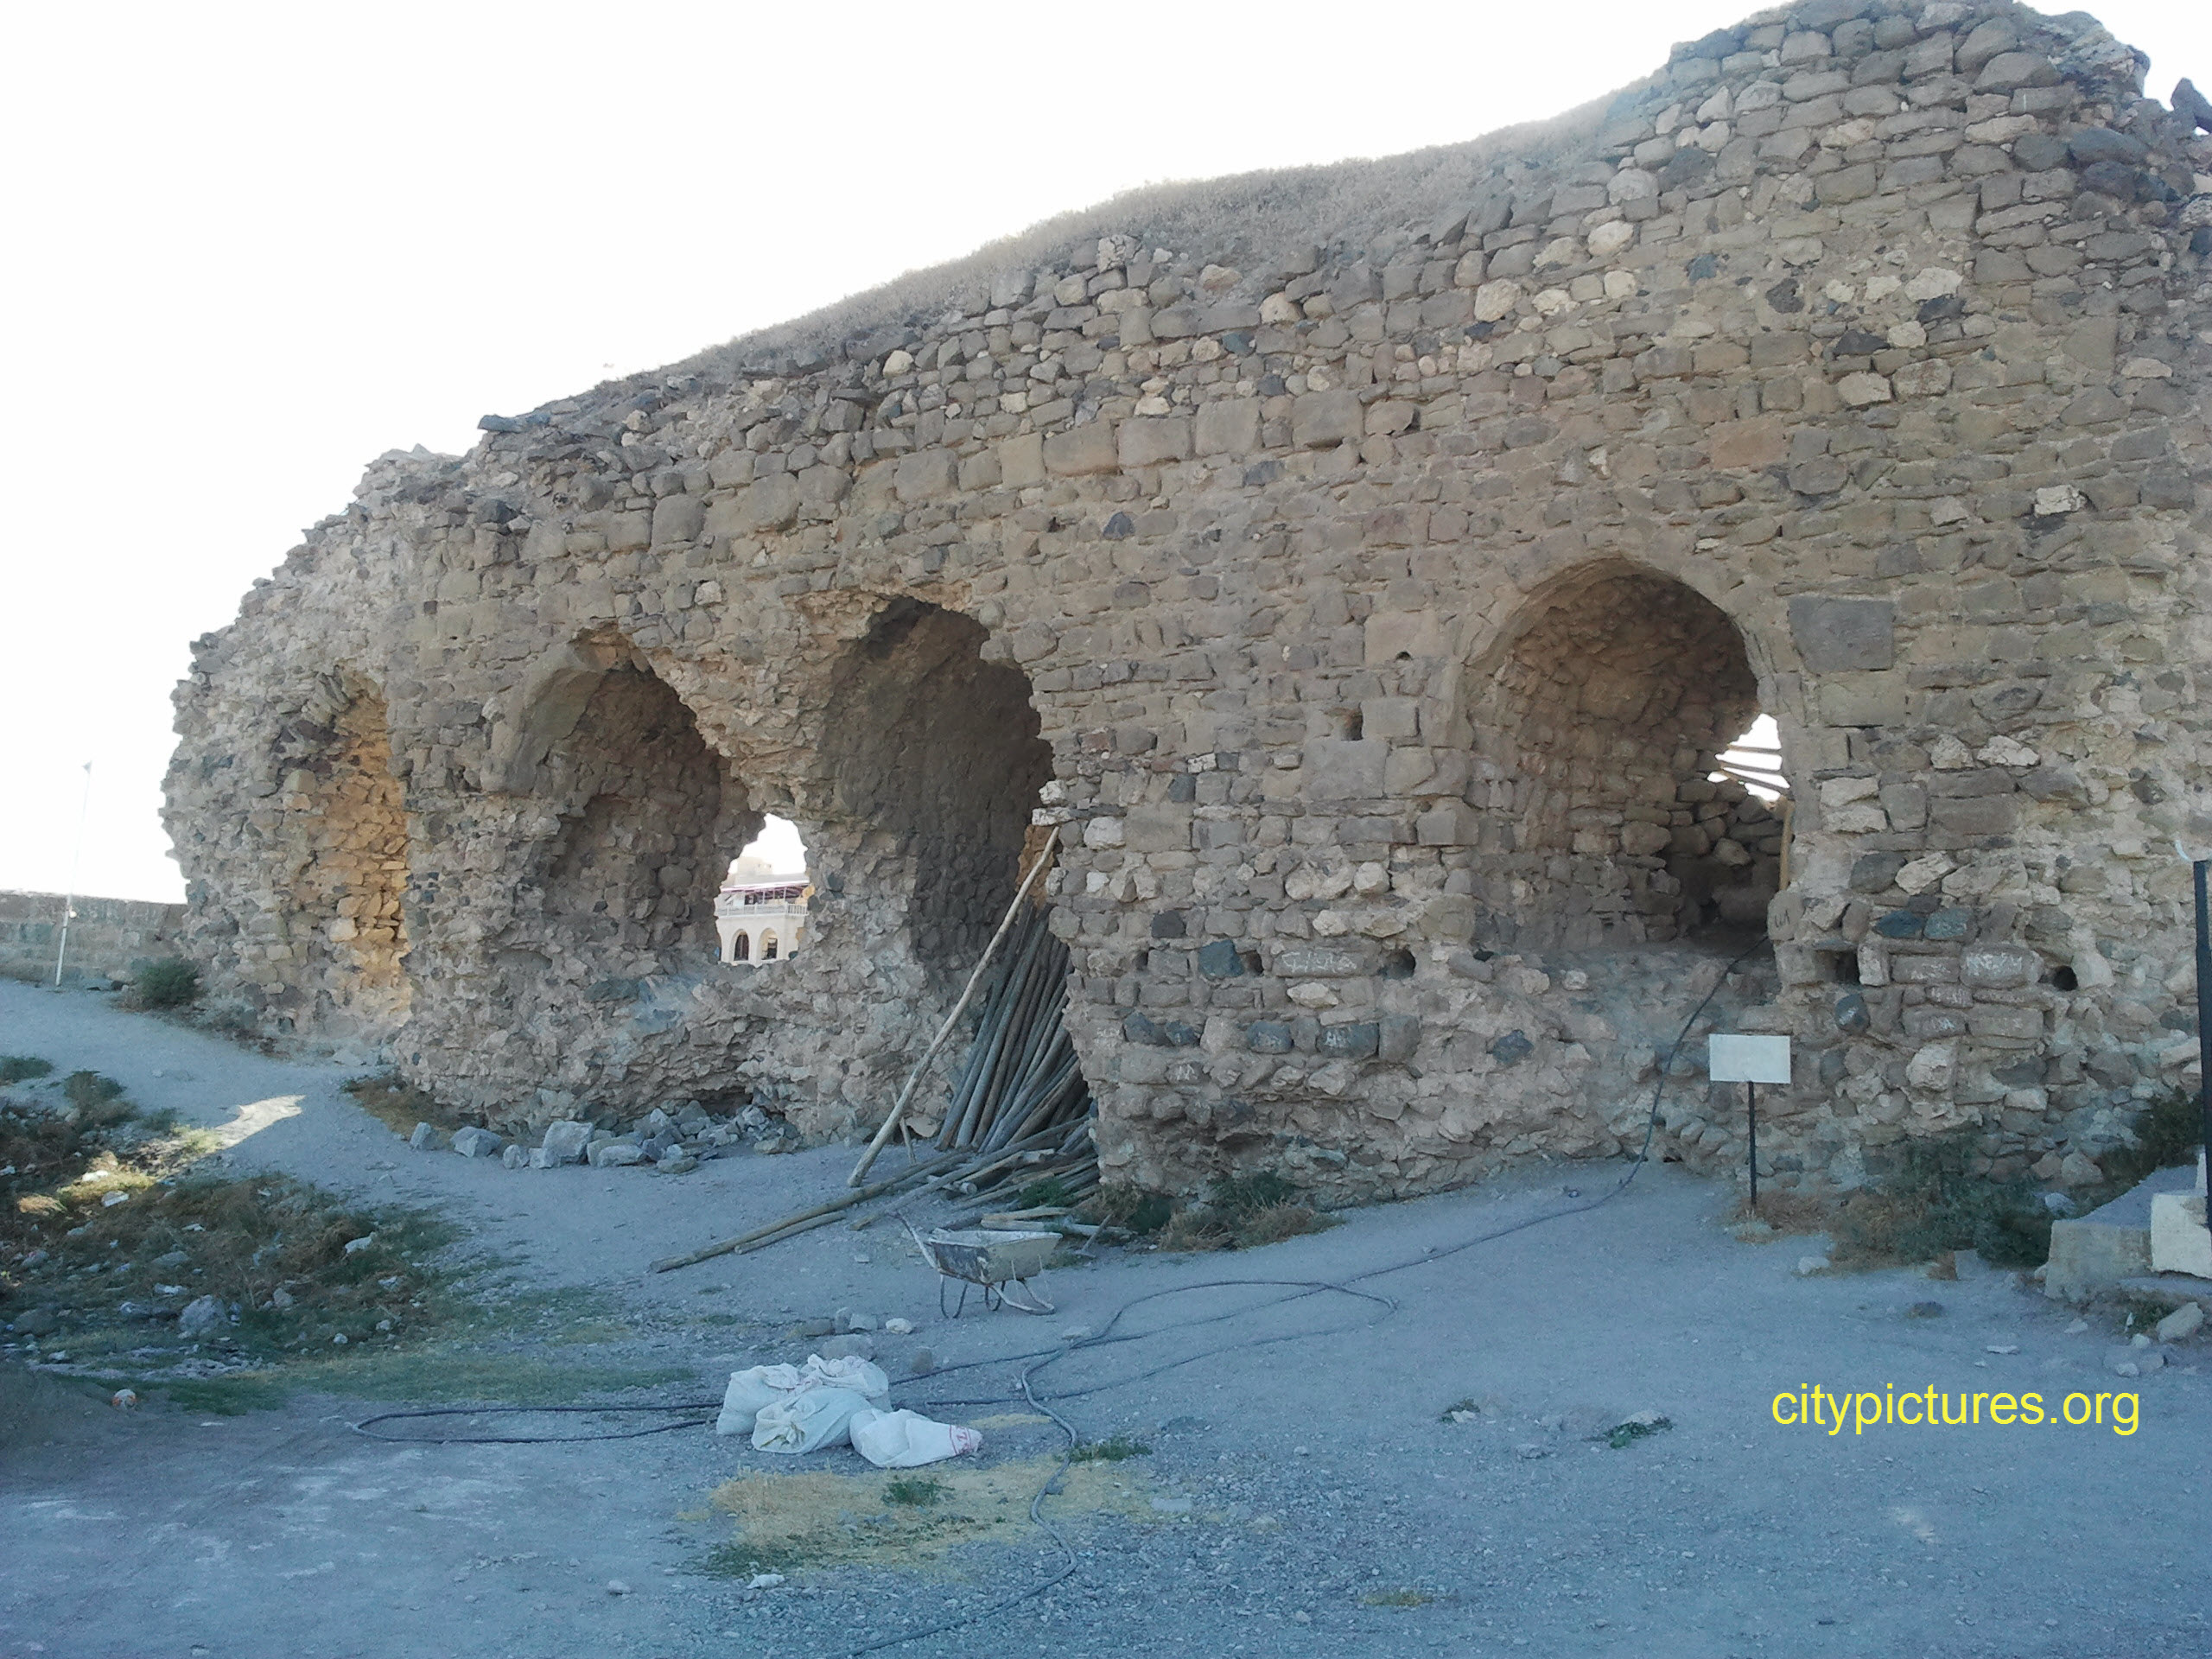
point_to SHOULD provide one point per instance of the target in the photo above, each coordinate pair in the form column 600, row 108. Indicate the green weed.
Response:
column 22, row 1068
column 917, row 1492
column 1928, row 1203
column 170, row 983
column 1621, row 1436
column 1118, row 1449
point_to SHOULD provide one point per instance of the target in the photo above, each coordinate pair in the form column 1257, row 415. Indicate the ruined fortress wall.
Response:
column 1362, row 568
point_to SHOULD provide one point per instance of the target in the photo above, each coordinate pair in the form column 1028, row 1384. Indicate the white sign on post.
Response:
column 1732, row 1059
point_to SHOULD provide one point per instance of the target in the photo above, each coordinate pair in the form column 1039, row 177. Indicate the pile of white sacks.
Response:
column 825, row 1402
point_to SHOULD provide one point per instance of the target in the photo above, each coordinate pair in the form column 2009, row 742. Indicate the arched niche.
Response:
column 935, row 753
column 1599, row 712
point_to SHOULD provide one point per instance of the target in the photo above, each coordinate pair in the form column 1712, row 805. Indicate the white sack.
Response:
column 807, row 1420
column 750, row 1390
column 904, row 1439
column 849, row 1372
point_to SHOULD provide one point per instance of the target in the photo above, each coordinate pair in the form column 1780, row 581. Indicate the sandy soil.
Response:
column 1301, row 1498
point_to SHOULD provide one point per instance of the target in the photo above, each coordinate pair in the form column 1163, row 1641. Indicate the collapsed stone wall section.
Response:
column 1880, row 329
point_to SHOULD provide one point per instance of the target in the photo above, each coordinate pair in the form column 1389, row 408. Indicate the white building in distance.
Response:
column 761, row 913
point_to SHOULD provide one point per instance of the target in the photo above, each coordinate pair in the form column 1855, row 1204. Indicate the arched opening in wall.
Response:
column 350, row 882
column 1600, row 718
column 935, row 751
column 650, row 815
column 767, row 887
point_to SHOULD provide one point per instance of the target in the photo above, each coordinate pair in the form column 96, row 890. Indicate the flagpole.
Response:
column 76, row 865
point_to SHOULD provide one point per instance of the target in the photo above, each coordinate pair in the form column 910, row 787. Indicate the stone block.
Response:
column 564, row 1142
column 2094, row 1253
column 2179, row 1241
column 926, row 476
column 1358, row 1041
column 1344, row 769
column 678, row 519
column 1321, row 420
column 1864, row 700
column 1160, row 829
column 2000, row 965
column 1839, row 635
column 616, row 1155
column 1985, row 814
column 1317, row 961
column 1738, row 444
column 1392, row 634
column 1218, row 960
column 472, row 1142
column 1268, row 1037
column 1082, row 450
column 1151, row 441
column 1454, row 823
column 1230, row 426
column 1021, row 460
column 1401, row 1037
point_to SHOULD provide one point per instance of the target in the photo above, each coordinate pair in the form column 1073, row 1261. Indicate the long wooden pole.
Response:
column 820, row 1211
column 899, row 1109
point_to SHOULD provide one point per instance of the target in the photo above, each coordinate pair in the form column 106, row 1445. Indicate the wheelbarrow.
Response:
column 1002, row 1263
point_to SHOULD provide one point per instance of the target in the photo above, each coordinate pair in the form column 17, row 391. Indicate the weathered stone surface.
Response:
column 1373, row 607
column 1838, row 635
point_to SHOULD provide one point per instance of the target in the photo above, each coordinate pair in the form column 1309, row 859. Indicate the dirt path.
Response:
column 1301, row 1498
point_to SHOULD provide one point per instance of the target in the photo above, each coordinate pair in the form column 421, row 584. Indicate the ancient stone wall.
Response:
column 1363, row 566
column 109, row 939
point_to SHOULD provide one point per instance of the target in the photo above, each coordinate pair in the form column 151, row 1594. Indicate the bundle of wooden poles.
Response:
column 1021, row 1076
column 1020, row 1112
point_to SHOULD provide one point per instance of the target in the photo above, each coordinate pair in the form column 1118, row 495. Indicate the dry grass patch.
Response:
column 819, row 1518
column 108, row 1230
column 399, row 1105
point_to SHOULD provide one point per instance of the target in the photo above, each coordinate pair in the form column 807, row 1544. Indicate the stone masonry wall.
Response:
column 109, row 939
column 1361, row 566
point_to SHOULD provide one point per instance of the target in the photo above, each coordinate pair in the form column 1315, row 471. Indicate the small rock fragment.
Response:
column 2184, row 1321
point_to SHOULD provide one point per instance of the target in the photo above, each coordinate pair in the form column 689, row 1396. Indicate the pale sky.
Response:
column 257, row 246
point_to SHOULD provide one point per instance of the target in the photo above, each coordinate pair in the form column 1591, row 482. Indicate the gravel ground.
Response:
column 1301, row 1497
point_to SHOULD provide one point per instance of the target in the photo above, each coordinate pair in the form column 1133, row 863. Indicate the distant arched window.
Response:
column 767, row 947
column 740, row 949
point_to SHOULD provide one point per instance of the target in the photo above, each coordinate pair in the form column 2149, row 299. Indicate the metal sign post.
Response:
column 1749, row 1061
column 2195, row 847
column 76, row 863
column 2203, row 1009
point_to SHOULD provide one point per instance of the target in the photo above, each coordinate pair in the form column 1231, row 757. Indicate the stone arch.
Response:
column 648, row 816
column 348, row 872
column 1597, row 710
column 935, row 752
column 741, row 946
